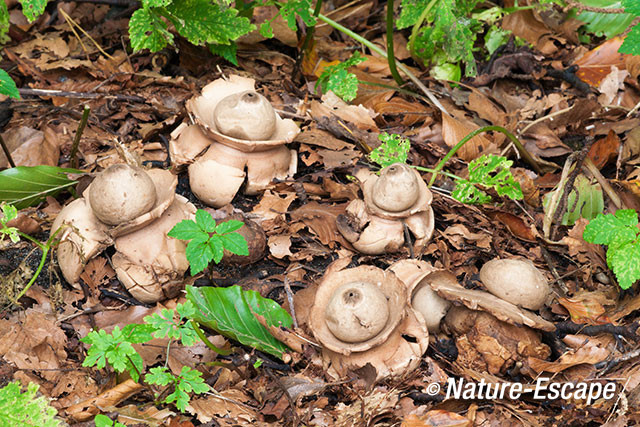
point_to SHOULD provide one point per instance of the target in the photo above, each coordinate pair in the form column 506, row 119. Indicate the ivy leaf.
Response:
column 202, row 21
column 394, row 149
column 7, row 85
column 32, row 9
column 147, row 30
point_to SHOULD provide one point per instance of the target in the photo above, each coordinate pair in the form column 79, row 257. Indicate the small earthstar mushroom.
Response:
column 516, row 281
column 246, row 140
column 396, row 199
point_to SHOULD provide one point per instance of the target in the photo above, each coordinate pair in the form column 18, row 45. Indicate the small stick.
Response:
column 6, row 152
column 85, row 95
column 76, row 140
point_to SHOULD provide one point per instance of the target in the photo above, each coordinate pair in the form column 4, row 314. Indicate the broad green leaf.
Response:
column 7, row 85
column 25, row 186
column 226, row 51
column 229, row 226
column 147, row 30
column 587, row 203
column 229, row 311
column 202, row 21
column 32, row 9
column 205, row 221
column 187, row 230
column 604, row 24
column 394, row 149
column 25, row 409
column 235, row 243
column 631, row 6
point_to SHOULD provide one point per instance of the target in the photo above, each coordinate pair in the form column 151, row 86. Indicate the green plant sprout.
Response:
column 487, row 171
column 339, row 80
column 9, row 212
column 208, row 241
column 619, row 232
column 189, row 380
column 104, row 421
column 25, row 409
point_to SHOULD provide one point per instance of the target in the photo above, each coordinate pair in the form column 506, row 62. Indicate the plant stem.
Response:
column 523, row 152
column 6, row 152
column 391, row 58
column 418, row 24
column 76, row 140
column 310, row 30
column 382, row 53
column 423, row 169
column 45, row 247
column 196, row 327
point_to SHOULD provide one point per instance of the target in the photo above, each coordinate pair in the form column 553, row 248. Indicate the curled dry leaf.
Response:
column 587, row 350
column 88, row 409
column 453, row 130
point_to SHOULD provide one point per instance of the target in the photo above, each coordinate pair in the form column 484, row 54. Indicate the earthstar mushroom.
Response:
column 396, row 199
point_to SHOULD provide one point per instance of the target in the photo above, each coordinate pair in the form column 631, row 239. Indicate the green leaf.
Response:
column 235, row 243
column 32, row 9
column 147, row 30
column 25, row 186
column 205, row 221
column 199, row 255
column 159, row 375
column 202, row 21
column 137, row 333
column 229, row 312
column 229, row 226
column 339, row 80
column 587, row 203
column 19, row 409
column 394, row 149
column 488, row 171
column 625, row 263
column 631, row 44
column 301, row 8
column 7, row 85
column 113, row 348
column 604, row 24
column 9, row 212
column 165, row 325
column 217, row 248
column 155, row 3
column 631, row 6
column 410, row 12
column 4, row 29
column 266, row 30
column 188, row 230
column 614, row 230
column 226, row 51
column 104, row 421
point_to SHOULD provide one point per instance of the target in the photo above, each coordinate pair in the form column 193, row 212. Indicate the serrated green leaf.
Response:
column 205, row 221
column 292, row 8
column 187, row 230
column 199, row 255
column 25, row 186
column 160, row 376
column 217, row 248
column 488, row 171
column 394, row 149
column 18, row 409
column 339, row 80
column 468, row 193
column 155, row 3
column 235, row 243
column 138, row 333
column 631, row 44
column 229, row 312
column 613, row 230
column 201, row 21
column 147, row 30
column 7, row 85
column 226, row 51
column 32, row 9
column 625, row 263
column 229, row 226
column 4, row 25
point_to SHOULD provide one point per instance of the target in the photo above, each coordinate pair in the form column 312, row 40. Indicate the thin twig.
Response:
column 583, row 7
column 81, row 95
column 6, row 152
column 76, row 139
column 595, row 172
column 543, row 118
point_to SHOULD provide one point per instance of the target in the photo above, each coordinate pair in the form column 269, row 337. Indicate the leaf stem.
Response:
column 76, row 139
column 196, row 327
column 418, row 24
column 523, row 152
column 391, row 58
column 310, row 30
